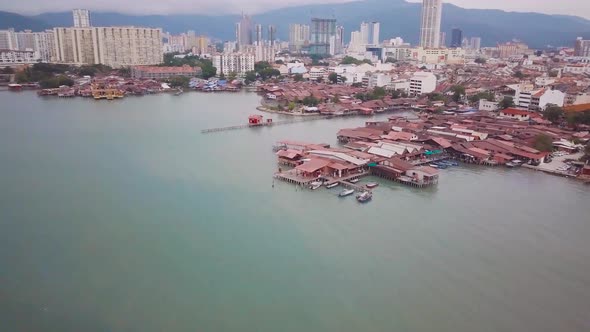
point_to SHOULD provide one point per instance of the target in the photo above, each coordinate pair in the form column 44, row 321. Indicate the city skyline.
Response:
column 568, row 7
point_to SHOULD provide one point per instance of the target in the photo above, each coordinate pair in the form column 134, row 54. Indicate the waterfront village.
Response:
column 506, row 104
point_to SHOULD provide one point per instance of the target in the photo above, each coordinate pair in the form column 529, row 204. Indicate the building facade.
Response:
column 16, row 57
column 154, row 72
column 322, row 30
column 299, row 36
column 422, row 82
column 81, row 18
column 244, row 31
column 456, row 37
column 431, row 21
column 239, row 63
column 111, row 46
column 272, row 34
column 582, row 47
column 8, row 40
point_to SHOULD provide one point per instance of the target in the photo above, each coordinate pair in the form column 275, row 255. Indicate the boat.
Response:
column 179, row 92
column 364, row 197
column 333, row 185
column 514, row 164
column 315, row 185
column 442, row 166
column 372, row 185
column 354, row 180
column 15, row 87
column 433, row 165
column 346, row 192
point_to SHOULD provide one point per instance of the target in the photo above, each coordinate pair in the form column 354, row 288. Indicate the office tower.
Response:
column 475, row 43
column 374, row 28
column 272, row 34
column 299, row 36
column 582, row 47
column 321, row 31
column 431, row 20
column 456, row 37
column 258, row 34
column 244, row 31
column 81, row 18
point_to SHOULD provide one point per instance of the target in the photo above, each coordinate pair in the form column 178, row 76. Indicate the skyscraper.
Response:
column 8, row 40
column 443, row 39
column 475, row 43
column 272, row 34
column 431, row 19
column 244, row 31
column 298, row 36
column 374, row 31
column 456, row 37
column 258, row 34
column 81, row 18
column 322, row 29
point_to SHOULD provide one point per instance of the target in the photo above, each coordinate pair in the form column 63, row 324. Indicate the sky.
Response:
column 571, row 7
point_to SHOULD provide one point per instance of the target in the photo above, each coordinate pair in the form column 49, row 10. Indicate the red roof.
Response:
column 514, row 111
column 313, row 165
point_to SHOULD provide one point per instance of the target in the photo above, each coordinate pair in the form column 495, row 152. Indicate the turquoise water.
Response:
column 122, row 216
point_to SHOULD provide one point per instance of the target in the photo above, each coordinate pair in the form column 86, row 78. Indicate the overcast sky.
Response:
column 573, row 7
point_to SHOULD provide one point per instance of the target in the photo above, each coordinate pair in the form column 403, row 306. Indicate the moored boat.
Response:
column 315, row 185
column 514, row 164
column 354, row 180
column 332, row 185
column 364, row 197
column 346, row 192
column 372, row 185
column 15, row 87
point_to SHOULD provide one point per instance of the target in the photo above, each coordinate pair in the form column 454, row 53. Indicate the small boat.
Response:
column 346, row 192
column 372, row 185
column 333, row 185
column 364, row 197
column 179, row 92
column 442, row 166
column 15, row 87
column 434, row 165
column 514, row 164
column 354, row 180
column 315, row 185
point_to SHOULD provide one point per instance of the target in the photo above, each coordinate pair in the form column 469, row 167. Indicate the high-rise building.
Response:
column 356, row 42
column 244, row 31
column 456, row 37
column 370, row 33
column 45, row 46
column 298, row 37
column 238, row 63
column 25, row 40
column 258, row 34
column 322, row 30
column 443, row 39
column 81, row 18
column 339, row 48
column 111, row 46
column 8, row 40
column 475, row 43
column 431, row 20
column 272, row 34
column 582, row 47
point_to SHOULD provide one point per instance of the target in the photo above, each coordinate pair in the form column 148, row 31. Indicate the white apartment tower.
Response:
column 431, row 20
column 81, row 18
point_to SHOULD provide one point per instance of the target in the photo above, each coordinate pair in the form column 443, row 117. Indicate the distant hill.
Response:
column 397, row 17
column 20, row 22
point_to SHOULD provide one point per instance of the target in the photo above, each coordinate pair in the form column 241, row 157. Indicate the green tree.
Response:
column 207, row 69
column 519, row 74
column 7, row 70
column 543, row 143
column 553, row 113
column 378, row 93
column 232, row 76
column 553, row 73
column 179, row 81
column 390, row 60
column 333, row 77
column 56, row 82
column 125, row 71
column 298, row 77
column 458, row 92
column 481, row 61
column 250, row 77
column 507, row 102
column 586, row 156
column 487, row 95
column 291, row 106
column 279, row 62
column 310, row 101
column 336, row 99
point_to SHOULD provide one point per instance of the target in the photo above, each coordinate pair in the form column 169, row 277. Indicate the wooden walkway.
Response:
column 267, row 124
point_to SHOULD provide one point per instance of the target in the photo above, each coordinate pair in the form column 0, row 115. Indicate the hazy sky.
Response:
column 573, row 7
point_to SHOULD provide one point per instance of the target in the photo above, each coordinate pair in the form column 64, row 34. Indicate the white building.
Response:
column 422, row 82
column 486, row 105
column 316, row 73
column 45, row 46
column 298, row 36
column 380, row 80
column 526, row 96
column 111, row 46
column 431, row 20
column 8, row 40
column 238, row 63
column 261, row 52
column 15, row 57
column 25, row 40
column 81, row 18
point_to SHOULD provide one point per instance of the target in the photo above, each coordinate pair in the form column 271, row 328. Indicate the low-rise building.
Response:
column 14, row 57
column 154, row 72
column 422, row 82
column 486, row 105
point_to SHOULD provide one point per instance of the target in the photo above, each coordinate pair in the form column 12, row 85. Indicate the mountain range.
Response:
column 397, row 17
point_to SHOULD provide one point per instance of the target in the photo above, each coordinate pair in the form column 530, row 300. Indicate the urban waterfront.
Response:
column 122, row 216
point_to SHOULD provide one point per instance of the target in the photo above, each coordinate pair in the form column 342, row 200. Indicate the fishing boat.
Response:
column 364, row 197
column 354, row 180
column 333, row 185
column 315, row 185
column 346, row 192
column 433, row 165
column 372, row 185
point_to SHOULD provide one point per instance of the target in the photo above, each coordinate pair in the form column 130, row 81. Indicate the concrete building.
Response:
column 244, row 31
column 299, row 36
column 422, row 82
column 322, row 30
column 154, row 72
column 45, row 46
column 81, row 18
column 261, row 52
column 456, row 37
column 8, row 40
column 529, row 97
column 258, row 34
column 272, row 34
column 486, row 105
column 582, row 47
column 16, row 57
column 25, row 40
column 475, row 43
column 443, row 39
column 238, row 63
column 431, row 21
column 202, row 45
column 111, row 46
column 510, row 49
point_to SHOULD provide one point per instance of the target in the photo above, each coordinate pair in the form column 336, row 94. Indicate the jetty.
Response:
column 256, row 121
